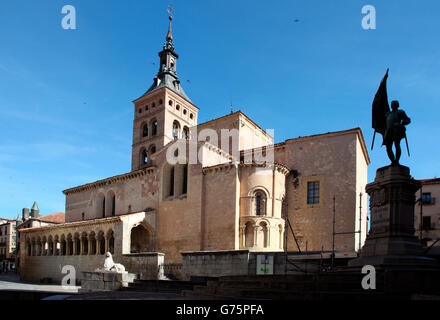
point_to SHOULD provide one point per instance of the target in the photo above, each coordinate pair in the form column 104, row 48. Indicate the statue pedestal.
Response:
column 391, row 241
column 105, row 280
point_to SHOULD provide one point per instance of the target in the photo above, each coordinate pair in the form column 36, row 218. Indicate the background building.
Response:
column 7, row 244
column 33, row 219
column 428, row 207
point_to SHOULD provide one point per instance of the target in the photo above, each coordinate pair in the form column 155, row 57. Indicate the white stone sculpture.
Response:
column 110, row 265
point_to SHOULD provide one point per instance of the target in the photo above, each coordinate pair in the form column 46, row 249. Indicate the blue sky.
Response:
column 65, row 95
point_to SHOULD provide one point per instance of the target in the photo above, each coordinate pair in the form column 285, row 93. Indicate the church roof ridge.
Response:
column 232, row 114
column 357, row 130
column 102, row 182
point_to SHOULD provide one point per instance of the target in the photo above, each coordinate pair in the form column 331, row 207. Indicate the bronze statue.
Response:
column 390, row 123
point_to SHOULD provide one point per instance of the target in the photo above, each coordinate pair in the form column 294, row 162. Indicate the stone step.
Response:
column 207, row 296
column 265, row 294
column 168, row 286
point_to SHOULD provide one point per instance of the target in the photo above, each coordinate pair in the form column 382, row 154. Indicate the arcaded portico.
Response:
column 83, row 244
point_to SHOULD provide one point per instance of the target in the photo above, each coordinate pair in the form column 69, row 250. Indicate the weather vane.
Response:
column 170, row 11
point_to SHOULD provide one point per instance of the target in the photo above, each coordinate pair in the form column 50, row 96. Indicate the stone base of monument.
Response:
column 105, row 280
column 391, row 242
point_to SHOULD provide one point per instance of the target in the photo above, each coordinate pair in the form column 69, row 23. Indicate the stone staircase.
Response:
column 166, row 286
column 325, row 286
column 334, row 285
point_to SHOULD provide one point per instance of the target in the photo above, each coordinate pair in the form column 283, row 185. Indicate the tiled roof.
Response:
column 58, row 217
column 430, row 181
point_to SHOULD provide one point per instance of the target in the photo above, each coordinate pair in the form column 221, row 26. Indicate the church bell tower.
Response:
column 163, row 113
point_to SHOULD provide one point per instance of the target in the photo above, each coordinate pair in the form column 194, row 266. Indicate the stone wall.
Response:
column 149, row 266
column 37, row 268
column 244, row 262
column 338, row 161
column 134, row 192
column 105, row 281
column 215, row 263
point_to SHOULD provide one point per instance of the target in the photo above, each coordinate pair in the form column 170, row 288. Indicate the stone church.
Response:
column 221, row 201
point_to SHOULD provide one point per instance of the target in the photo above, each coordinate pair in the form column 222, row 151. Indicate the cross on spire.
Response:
column 169, row 37
column 170, row 11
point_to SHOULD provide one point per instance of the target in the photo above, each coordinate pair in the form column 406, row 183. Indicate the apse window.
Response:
column 313, row 192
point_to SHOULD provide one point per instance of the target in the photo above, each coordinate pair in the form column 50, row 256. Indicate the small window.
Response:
column 144, row 156
column 185, row 133
column 145, row 130
column 426, row 198
column 185, row 179
column 154, row 128
column 313, row 192
column 171, row 193
column 191, row 115
column 83, row 216
column 170, row 102
column 153, row 105
column 140, row 110
column 160, row 102
column 184, row 111
column 176, row 129
column 146, row 107
column 178, row 107
column 260, row 203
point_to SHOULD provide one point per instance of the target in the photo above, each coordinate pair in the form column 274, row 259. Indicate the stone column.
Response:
column 80, row 247
column 255, row 243
column 243, row 237
column 268, row 235
column 73, row 247
column 106, row 241
column 89, row 243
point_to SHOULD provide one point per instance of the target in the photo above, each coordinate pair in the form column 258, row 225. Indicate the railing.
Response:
column 172, row 271
column 429, row 202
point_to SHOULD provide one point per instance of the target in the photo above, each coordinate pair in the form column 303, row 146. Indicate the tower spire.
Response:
column 169, row 37
column 167, row 74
